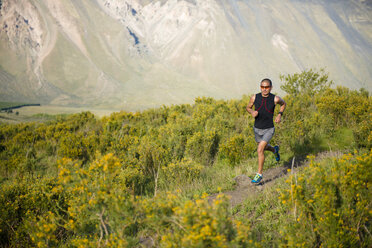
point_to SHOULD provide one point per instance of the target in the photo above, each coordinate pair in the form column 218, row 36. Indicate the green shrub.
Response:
column 307, row 82
column 330, row 204
column 180, row 172
column 21, row 202
column 349, row 109
column 200, row 224
column 98, row 211
column 238, row 148
column 203, row 147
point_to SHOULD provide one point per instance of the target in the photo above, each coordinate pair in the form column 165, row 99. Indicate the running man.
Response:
column 264, row 104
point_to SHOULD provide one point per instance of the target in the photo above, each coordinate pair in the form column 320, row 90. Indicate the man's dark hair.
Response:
column 267, row 80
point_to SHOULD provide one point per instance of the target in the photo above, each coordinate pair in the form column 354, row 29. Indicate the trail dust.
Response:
column 245, row 188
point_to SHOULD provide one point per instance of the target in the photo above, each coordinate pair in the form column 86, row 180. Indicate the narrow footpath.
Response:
column 244, row 188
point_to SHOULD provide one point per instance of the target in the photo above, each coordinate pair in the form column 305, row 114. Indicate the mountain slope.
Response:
column 136, row 54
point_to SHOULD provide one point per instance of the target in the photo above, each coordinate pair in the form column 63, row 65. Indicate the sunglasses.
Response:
column 265, row 87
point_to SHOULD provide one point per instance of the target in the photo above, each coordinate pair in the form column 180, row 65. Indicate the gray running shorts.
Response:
column 263, row 134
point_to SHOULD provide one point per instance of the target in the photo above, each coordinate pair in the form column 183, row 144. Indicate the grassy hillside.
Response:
column 143, row 179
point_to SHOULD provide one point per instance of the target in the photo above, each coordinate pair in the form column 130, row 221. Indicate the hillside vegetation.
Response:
column 143, row 179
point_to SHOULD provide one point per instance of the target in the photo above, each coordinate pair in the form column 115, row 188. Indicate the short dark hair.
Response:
column 267, row 80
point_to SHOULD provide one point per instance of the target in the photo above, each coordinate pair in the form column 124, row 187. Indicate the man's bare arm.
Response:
column 250, row 105
column 281, row 102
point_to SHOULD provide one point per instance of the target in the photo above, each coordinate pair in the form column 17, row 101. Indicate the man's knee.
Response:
column 261, row 147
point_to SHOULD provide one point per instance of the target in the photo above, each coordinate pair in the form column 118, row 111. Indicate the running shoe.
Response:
column 277, row 156
column 257, row 178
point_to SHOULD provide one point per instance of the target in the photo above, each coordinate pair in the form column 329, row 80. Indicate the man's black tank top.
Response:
column 265, row 107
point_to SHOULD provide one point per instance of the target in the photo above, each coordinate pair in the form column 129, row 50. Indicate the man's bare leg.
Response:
column 269, row 148
column 262, row 147
column 261, row 156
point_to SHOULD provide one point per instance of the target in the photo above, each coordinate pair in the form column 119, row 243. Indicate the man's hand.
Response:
column 254, row 114
column 278, row 118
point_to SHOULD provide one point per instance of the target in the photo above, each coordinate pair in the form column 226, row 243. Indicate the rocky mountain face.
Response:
column 135, row 54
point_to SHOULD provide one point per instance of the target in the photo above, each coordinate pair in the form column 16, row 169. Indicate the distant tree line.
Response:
column 9, row 109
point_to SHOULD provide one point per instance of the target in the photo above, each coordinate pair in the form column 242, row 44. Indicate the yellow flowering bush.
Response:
column 238, row 148
column 349, row 108
column 330, row 203
column 203, row 146
column 25, row 212
column 185, row 169
column 152, row 156
column 43, row 230
column 156, row 213
column 201, row 224
column 96, row 194
column 88, row 206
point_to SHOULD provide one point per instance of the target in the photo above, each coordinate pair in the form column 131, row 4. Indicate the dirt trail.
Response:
column 244, row 188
